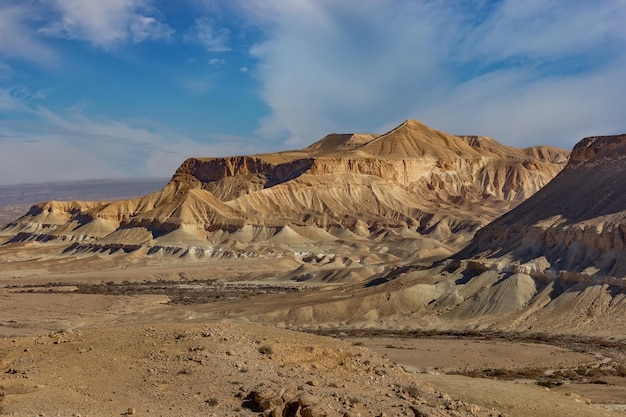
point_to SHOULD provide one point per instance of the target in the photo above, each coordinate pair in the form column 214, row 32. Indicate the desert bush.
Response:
column 212, row 401
column 412, row 390
column 266, row 350
column 599, row 382
column 549, row 383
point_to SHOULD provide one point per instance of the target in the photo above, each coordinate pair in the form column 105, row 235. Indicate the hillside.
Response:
column 424, row 190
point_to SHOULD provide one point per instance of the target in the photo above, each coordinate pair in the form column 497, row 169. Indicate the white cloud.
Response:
column 17, row 40
column 526, row 72
column 327, row 66
column 105, row 23
column 213, row 39
column 142, row 28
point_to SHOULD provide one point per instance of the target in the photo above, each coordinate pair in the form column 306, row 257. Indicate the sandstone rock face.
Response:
column 574, row 228
column 412, row 180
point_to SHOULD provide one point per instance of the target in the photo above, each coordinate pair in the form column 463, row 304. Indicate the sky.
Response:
column 93, row 89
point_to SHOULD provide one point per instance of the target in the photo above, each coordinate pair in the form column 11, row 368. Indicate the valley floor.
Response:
column 156, row 340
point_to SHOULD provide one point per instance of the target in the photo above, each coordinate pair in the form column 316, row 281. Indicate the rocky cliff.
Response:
column 413, row 182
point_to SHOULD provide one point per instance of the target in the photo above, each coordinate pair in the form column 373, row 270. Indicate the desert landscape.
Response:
column 410, row 273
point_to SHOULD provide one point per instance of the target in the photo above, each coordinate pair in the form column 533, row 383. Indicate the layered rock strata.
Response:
column 413, row 180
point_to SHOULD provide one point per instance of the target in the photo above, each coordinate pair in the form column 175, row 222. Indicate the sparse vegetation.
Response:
column 186, row 293
column 212, row 401
column 266, row 350
column 549, row 383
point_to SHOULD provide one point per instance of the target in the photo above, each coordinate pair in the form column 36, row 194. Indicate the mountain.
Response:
column 345, row 196
column 574, row 228
column 556, row 263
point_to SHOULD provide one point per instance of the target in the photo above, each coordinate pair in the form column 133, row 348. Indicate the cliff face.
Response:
column 413, row 177
column 574, row 227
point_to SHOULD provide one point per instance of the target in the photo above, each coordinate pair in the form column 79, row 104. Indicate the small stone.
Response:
column 313, row 411
column 305, row 399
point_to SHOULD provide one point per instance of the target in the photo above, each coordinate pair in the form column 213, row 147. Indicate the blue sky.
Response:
column 131, row 88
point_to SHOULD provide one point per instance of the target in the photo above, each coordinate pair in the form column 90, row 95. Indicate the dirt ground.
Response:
column 113, row 342
column 215, row 369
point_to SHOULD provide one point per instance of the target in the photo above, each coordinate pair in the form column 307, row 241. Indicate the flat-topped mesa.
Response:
column 411, row 155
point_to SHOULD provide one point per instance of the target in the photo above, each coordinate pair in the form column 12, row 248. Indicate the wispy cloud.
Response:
column 11, row 102
column 516, row 107
column 206, row 32
column 7, row 101
column 525, row 72
column 216, row 61
column 106, row 23
column 6, row 72
column 196, row 85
